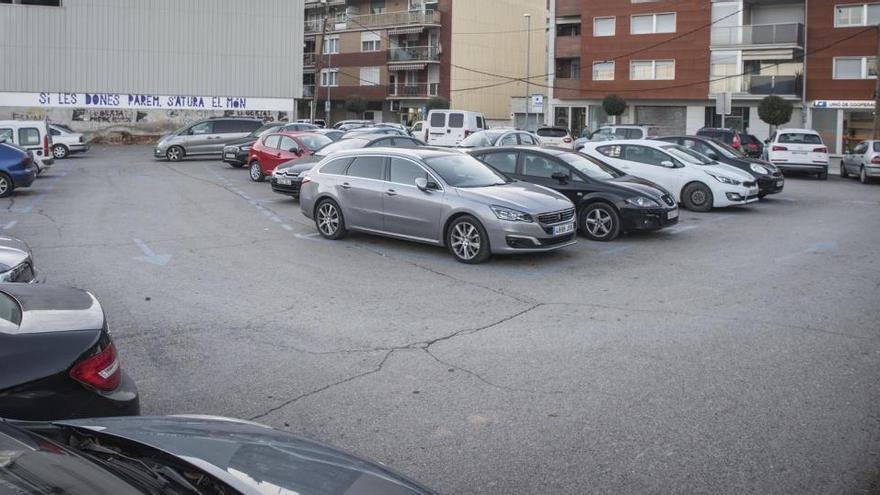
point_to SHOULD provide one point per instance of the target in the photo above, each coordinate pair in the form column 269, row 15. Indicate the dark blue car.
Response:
column 16, row 169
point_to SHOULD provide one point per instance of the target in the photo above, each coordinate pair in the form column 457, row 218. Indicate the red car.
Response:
column 276, row 148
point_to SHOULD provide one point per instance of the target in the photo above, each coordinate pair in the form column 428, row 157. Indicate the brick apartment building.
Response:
column 399, row 54
column 668, row 58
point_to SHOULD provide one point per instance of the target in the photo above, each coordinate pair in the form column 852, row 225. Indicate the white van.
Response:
column 450, row 127
column 32, row 135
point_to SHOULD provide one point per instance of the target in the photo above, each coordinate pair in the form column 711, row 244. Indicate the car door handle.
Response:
column 346, row 185
column 391, row 192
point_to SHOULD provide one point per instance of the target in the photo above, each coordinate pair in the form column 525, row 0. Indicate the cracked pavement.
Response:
column 738, row 352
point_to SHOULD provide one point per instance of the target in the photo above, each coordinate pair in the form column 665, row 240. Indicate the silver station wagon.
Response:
column 435, row 196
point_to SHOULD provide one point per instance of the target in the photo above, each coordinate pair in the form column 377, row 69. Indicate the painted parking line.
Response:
column 10, row 225
column 38, row 198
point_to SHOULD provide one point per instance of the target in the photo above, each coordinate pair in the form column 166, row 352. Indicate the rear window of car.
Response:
column 479, row 122
column 800, row 138
column 9, row 309
column 438, row 120
column 551, row 132
column 337, row 166
column 877, row 146
column 28, row 136
column 456, row 120
column 633, row 133
column 5, row 135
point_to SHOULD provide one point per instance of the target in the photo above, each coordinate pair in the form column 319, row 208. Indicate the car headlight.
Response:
column 759, row 169
column 643, row 202
column 302, row 174
column 725, row 180
column 244, row 148
column 510, row 215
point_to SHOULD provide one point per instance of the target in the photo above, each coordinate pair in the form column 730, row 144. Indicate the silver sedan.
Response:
column 863, row 161
column 434, row 196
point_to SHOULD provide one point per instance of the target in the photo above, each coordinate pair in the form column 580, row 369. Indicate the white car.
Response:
column 800, row 150
column 862, row 161
column 500, row 136
column 556, row 136
column 695, row 181
column 32, row 136
column 65, row 141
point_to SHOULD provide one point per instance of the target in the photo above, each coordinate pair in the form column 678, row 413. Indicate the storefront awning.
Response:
column 407, row 67
column 409, row 30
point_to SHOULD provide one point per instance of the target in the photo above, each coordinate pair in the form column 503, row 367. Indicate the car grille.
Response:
column 750, row 184
column 558, row 240
column 556, row 216
column 668, row 200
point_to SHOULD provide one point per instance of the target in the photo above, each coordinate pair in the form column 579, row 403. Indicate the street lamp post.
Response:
column 528, row 62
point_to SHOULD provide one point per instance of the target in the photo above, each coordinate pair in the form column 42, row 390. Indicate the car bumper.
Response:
column 159, row 152
column 732, row 196
column 802, row 167
column 872, row 171
column 647, row 219
column 24, row 178
column 521, row 237
column 291, row 189
column 237, row 158
column 771, row 185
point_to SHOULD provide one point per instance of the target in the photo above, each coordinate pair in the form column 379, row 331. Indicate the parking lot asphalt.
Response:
column 738, row 352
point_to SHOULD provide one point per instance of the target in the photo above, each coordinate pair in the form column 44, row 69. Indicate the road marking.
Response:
column 150, row 256
column 10, row 225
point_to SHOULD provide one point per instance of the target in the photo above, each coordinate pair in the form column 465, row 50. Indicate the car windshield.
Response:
column 345, row 144
column 551, row 132
column 465, row 171
column 266, row 129
column 727, row 150
column 315, row 141
column 688, row 155
column 799, row 138
column 482, row 138
column 590, row 166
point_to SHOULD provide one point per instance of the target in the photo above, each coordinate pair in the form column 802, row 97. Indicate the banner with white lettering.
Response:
column 143, row 101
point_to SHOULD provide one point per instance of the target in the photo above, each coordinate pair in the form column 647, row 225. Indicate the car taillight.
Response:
column 779, row 148
column 566, row 140
column 875, row 159
column 46, row 145
column 101, row 371
column 820, row 150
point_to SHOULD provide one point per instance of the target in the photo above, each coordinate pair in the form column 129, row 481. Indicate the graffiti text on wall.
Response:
column 136, row 101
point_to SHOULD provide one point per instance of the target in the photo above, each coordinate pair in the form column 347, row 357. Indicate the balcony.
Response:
column 308, row 59
column 759, row 36
column 414, row 54
column 314, row 26
column 387, row 19
column 414, row 90
column 308, row 90
column 758, row 85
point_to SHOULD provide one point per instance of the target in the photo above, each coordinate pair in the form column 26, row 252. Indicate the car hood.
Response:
column 253, row 458
column 637, row 185
column 300, row 164
column 12, row 252
column 523, row 196
column 242, row 141
column 728, row 171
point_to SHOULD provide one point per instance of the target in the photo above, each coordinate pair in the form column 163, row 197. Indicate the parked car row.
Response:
column 69, row 415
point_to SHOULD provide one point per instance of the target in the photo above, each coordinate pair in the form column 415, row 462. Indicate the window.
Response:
column 508, row 140
column 329, row 77
column 614, row 151
column 651, row 70
column 28, row 136
column 5, row 135
column 314, row 141
column 9, row 309
column 643, row 154
column 272, row 141
column 370, row 42
column 568, row 68
column 370, row 76
column 235, row 126
column 855, row 67
column 652, row 23
column 542, row 167
column 456, row 120
column 202, row 128
column 287, row 143
column 590, row 166
column 604, row 26
column 503, row 162
column 862, row 14
column 799, row 138
column 336, row 166
column 571, row 29
column 406, row 172
column 603, row 71
column 377, row 6
column 480, row 123
column 527, row 139
column 331, row 45
column 438, row 120
column 405, row 142
column 54, row 132
column 368, row 167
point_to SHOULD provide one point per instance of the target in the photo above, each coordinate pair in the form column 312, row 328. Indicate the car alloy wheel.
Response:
column 174, row 154
column 697, row 197
column 257, row 172
column 468, row 241
column 329, row 220
column 5, row 186
column 863, row 176
column 599, row 222
column 59, row 151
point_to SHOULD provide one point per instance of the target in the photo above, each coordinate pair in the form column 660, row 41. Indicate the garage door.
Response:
column 668, row 120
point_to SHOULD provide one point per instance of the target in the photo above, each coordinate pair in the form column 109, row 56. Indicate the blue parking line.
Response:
column 10, row 225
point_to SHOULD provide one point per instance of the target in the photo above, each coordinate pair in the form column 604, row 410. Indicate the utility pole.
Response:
column 877, row 92
column 528, row 62
column 318, row 66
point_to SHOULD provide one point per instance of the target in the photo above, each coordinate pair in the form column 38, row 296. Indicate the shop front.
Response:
column 842, row 123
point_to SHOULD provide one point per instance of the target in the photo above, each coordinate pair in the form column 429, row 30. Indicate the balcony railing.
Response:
column 411, row 53
column 753, row 84
column 314, row 26
column 759, row 35
column 308, row 90
column 308, row 59
column 387, row 19
column 414, row 90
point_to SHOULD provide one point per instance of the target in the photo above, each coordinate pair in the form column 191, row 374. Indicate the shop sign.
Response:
column 862, row 104
column 141, row 101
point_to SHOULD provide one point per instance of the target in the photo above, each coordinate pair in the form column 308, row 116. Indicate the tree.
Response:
column 437, row 103
column 775, row 111
column 356, row 104
column 614, row 105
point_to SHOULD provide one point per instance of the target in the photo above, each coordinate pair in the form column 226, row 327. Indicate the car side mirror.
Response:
column 294, row 150
column 561, row 177
column 667, row 164
column 422, row 184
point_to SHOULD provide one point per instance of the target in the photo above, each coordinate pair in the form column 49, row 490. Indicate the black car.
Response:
column 57, row 359
column 753, row 147
column 730, row 137
column 608, row 201
column 181, row 455
column 16, row 261
column 770, row 179
column 236, row 152
column 287, row 177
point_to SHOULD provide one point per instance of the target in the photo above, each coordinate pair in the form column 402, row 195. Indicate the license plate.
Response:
column 672, row 214
column 799, row 152
column 285, row 182
column 563, row 229
column 230, row 155
column 779, row 183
